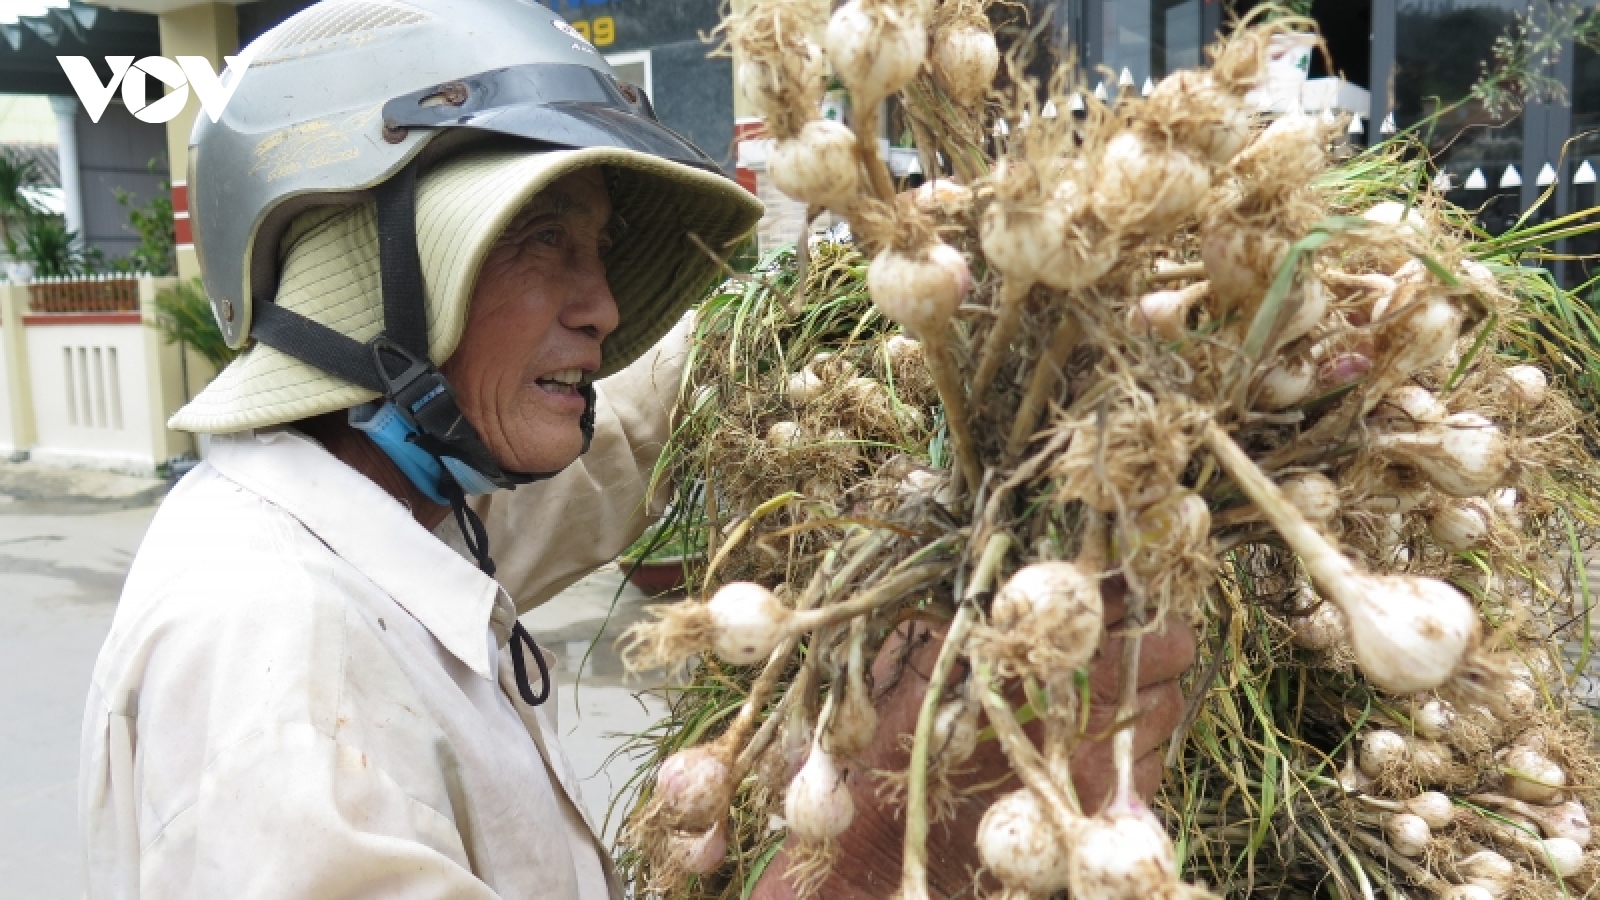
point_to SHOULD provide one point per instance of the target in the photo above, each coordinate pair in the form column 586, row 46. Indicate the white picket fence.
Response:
column 84, row 381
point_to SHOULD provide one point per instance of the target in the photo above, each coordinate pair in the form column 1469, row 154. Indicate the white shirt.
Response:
column 305, row 694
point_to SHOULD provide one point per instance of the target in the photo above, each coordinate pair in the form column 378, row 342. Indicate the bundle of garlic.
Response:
column 1163, row 343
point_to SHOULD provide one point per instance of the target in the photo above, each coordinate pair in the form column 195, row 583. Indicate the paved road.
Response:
column 66, row 540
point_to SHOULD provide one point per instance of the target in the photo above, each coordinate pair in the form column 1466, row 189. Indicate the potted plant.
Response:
column 657, row 562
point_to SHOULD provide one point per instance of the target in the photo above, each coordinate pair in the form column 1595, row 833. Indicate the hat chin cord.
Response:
column 418, row 423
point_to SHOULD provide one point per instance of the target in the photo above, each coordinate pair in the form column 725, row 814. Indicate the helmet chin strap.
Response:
column 418, row 423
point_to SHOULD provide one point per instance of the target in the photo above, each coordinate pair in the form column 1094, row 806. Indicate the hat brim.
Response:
column 656, row 271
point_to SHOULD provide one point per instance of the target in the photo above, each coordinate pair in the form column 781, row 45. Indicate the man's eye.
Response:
column 549, row 236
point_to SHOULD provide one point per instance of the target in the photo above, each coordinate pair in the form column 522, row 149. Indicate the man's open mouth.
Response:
column 565, row 381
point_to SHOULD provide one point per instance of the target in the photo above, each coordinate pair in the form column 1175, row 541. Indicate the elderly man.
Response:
column 430, row 228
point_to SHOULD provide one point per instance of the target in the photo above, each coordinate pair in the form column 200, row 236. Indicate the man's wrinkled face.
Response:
column 540, row 310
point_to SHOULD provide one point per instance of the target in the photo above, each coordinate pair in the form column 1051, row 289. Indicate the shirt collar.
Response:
column 369, row 529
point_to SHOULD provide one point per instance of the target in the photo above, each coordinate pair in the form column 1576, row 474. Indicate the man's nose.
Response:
column 592, row 307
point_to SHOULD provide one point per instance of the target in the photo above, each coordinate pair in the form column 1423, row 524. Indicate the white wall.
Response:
column 8, row 441
column 90, row 399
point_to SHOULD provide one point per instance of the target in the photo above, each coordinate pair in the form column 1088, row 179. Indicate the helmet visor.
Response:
column 562, row 105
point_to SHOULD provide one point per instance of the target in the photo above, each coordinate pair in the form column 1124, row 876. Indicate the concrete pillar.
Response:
column 164, row 377
column 1380, row 77
column 18, row 383
column 66, row 110
column 210, row 30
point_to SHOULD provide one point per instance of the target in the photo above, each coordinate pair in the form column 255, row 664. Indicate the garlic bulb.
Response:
column 965, row 59
column 1021, row 241
column 1433, row 808
column 1323, row 629
column 1430, row 760
column 1531, row 776
column 921, row 290
column 1180, row 519
column 700, row 854
column 803, row 387
column 1018, row 843
column 1240, row 260
column 1287, row 383
column 818, row 805
column 1409, row 404
column 1567, row 820
column 1525, row 385
column 1203, row 117
column 785, row 435
column 832, row 366
column 694, row 786
column 1316, row 496
column 1489, row 871
column 942, row 197
column 1391, row 212
column 955, row 733
column 875, row 47
column 1382, row 750
column 1460, row 526
column 920, row 483
column 1164, row 314
column 1146, row 184
column 1343, row 368
column 1465, row 455
column 1314, row 300
column 1470, row 891
column 1122, row 854
column 1516, row 699
column 1505, row 503
column 1291, row 151
column 1408, row 834
column 778, row 79
column 1049, row 615
column 902, row 349
column 1435, row 721
column 818, row 166
column 1352, row 780
column 1563, row 856
column 1421, row 334
column 747, row 622
column 855, row 718
column 1085, row 251
column 1408, row 633
column 1414, row 271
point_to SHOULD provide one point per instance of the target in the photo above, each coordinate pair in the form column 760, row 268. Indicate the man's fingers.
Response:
column 1160, row 708
column 1164, row 654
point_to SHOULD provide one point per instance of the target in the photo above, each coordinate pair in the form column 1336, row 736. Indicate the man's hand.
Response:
column 869, row 859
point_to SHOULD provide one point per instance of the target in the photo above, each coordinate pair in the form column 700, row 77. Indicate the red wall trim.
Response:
column 180, row 198
column 121, row 318
column 747, row 130
column 182, row 229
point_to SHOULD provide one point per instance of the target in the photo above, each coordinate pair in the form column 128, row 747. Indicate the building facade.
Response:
column 1415, row 58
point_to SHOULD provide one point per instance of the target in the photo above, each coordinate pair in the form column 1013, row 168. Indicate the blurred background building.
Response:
column 1402, row 60
column 1389, row 63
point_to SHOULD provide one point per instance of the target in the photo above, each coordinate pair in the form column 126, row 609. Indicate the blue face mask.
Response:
column 389, row 430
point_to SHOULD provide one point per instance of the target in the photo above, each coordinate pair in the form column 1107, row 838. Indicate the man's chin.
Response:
column 550, row 454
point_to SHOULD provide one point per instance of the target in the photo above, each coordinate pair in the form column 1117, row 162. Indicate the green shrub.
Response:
column 49, row 246
column 183, row 316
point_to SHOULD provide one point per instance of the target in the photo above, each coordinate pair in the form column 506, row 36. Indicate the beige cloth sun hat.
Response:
column 330, row 272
